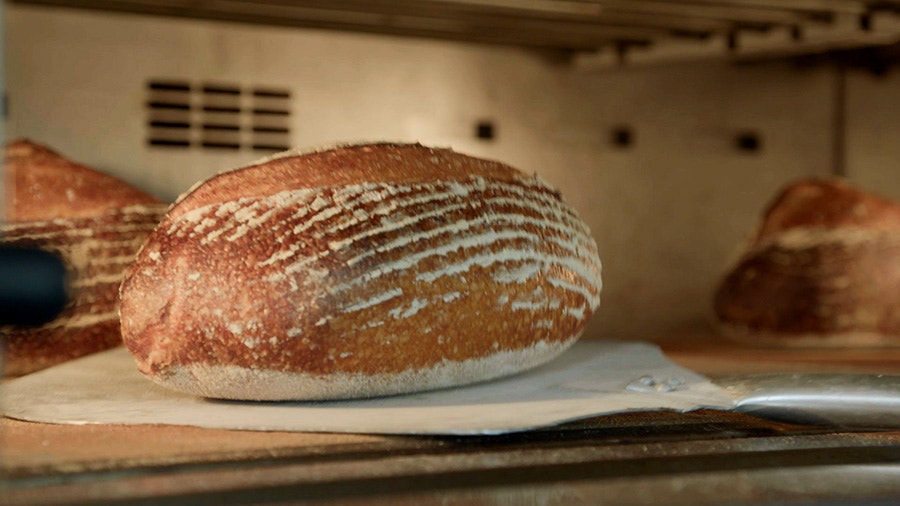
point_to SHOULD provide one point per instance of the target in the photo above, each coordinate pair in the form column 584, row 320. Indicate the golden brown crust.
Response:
column 827, row 203
column 825, row 263
column 325, row 271
column 42, row 185
column 384, row 163
column 96, row 225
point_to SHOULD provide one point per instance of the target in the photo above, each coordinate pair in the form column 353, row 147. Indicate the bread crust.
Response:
column 96, row 224
column 823, row 270
column 42, row 185
column 379, row 262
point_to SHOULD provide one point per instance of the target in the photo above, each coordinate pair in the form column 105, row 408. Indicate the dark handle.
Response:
column 32, row 286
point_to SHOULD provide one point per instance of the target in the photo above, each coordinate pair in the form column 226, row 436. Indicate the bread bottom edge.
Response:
column 741, row 334
column 229, row 382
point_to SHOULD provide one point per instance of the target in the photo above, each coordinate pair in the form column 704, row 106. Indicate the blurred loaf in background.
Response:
column 822, row 270
column 95, row 223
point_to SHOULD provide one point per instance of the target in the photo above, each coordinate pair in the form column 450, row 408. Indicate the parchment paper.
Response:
column 592, row 378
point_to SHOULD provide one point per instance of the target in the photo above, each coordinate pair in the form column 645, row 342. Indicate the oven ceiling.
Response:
column 598, row 31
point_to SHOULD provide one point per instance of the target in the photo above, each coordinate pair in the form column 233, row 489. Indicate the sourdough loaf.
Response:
column 822, row 270
column 96, row 223
column 358, row 271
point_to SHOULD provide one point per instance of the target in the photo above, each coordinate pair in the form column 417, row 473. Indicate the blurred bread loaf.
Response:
column 96, row 223
column 822, row 270
column 358, row 271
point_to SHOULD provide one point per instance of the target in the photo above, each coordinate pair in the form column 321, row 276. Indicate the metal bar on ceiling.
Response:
column 482, row 12
column 735, row 14
column 567, row 25
column 832, row 6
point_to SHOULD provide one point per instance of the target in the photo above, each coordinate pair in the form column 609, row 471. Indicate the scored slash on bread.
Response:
column 95, row 223
column 358, row 271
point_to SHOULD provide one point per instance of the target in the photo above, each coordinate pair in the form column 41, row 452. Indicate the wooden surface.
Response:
column 84, row 464
column 642, row 458
column 714, row 357
column 33, row 449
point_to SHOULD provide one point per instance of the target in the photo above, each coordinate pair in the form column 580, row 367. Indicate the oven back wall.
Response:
column 647, row 156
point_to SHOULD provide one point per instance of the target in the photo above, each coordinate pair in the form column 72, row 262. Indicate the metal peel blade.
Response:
column 844, row 400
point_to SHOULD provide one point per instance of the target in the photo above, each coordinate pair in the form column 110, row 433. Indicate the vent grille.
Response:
column 182, row 114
